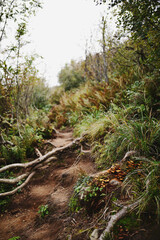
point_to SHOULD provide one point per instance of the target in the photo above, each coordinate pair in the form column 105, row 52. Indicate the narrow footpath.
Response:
column 52, row 185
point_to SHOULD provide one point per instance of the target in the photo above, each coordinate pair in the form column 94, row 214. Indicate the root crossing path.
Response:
column 53, row 186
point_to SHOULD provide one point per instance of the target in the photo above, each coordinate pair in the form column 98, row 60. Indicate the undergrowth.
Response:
column 20, row 145
column 115, row 119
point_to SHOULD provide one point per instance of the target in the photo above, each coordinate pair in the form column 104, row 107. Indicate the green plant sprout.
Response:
column 14, row 238
column 43, row 210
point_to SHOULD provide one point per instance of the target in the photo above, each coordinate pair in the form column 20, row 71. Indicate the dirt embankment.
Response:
column 52, row 185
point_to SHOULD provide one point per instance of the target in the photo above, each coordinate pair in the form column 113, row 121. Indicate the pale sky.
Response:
column 59, row 33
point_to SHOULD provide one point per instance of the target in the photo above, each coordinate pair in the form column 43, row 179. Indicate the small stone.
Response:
column 115, row 182
column 94, row 235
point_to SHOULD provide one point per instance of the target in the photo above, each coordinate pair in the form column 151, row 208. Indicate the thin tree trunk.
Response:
column 105, row 67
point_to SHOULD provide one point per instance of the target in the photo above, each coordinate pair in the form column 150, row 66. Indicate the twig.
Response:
column 3, row 142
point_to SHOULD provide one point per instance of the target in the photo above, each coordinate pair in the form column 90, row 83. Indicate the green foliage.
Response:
column 33, row 130
column 4, row 202
column 43, row 210
column 80, row 186
column 14, row 238
column 71, row 76
column 108, row 236
column 90, row 98
column 23, row 147
column 87, row 193
column 13, row 154
column 41, row 95
column 130, row 222
column 74, row 204
column 151, row 199
column 16, row 74
column 56, row 94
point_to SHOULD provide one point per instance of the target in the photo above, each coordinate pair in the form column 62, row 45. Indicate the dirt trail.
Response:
column 52, row 185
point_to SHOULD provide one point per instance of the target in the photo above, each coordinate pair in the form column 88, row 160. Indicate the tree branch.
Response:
column 5, row 22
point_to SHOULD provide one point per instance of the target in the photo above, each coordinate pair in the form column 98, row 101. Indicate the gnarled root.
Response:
column 31, row 167
column 120, row 214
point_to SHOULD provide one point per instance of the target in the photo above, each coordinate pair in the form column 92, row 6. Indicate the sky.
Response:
column 59, row 33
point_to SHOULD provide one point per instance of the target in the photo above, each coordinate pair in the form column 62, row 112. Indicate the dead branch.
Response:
column 21, row 177
column 38, row 153
column 4, row 121
column 56, row 131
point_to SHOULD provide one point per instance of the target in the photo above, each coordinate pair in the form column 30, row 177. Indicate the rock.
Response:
column 115, row 182
column 94, row 235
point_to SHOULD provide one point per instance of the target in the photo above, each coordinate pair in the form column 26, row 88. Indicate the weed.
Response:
column 14, row 238
column 79, row 188
column 89, row 193
column 43, row 210
column 4, row 203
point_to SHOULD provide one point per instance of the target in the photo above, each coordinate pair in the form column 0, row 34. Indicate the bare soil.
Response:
column 52, row 185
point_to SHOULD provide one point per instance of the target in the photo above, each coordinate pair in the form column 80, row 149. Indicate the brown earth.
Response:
column 52, row 185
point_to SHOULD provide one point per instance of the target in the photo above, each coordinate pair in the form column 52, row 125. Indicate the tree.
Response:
column 142, row 20
column 104, row 52
column 71, row 76
column 16, row 10
column 13, row 13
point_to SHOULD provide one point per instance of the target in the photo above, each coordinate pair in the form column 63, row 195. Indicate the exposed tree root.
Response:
column 120, row 163
column 40, row 159
column 123, row 212
column 124, row 209
column 15, row 180
column 19, row 187
column 32, row 167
